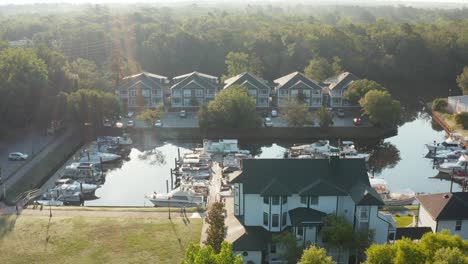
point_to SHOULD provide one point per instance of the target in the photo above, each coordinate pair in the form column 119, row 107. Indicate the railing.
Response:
column 441, row 122
column 25, row 197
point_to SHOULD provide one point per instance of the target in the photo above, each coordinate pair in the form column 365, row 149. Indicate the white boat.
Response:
column 355, row 155
column 123, row 140
column 449, row 167
column 97, row 157
column 178, row 197
column 67, row 196
column 319, row 147
column 452, row 142
column 76, row 186
column 389, row 198
column 223, row 146
column 83, row 171
column 50, row 202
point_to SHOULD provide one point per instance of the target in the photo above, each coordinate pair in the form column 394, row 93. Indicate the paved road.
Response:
column 29, row 141
column 31, row 162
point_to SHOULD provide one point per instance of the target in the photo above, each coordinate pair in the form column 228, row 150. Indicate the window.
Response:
column 199, row 93
column 275, row 220
column 123, row 91
column 210, row 92
column 314, row 200
column 303, row 199
column 155, row 101
column 264, row 91
column 145, row 93
column 316, row 101
column 266, row 200
column 364, row 212
column 176, row 93
column 283, row 92
column 294, row 92
column 316, row 92
column 285, row 219
column 156, row 92
column 176, row 101
column 187, row 92
column 245, row 253
column 300, row 231
column 132, row 92
column 187, row 101
column 284, row 199
column 275, row 200
column 253, row 92
column 263, row 101
column 265, row 219
column 306, row 93
column 458, row 225
column 273, row 248
column 132, row 101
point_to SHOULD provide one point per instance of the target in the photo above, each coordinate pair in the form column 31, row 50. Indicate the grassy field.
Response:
column 403, row 220
column 32, row 239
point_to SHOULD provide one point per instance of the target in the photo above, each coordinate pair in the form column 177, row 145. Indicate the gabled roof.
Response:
column 303, row 216
column 255, row 238
column 445, row 206
column 338, row 177
column 341, row 81
column 246, row 76
column 144, row 78
column 291, row 79
column 203, row 75
column 196, row 77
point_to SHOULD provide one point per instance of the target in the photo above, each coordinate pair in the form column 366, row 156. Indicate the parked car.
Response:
column 182, row 114
column 268, row 122
column 17, row 156
column 357, row 121
column 274, row 113
column 158, row 123
column 340, row 113
column 130, row 114
column 130, row 123
column 107, row 123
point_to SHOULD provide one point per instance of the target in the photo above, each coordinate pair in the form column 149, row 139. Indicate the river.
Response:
column 147, row 171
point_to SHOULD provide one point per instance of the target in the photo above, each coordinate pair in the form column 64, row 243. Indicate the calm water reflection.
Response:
column 148, row 171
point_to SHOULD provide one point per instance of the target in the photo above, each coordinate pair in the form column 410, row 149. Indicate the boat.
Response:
column 76, row 186
column 452, row 142
column 50, row 202
column 83, row 171
column 320, row 147
column 121, row 140
column 389, row 198
column 98, row 157
column 450, row 167
column 179, row 197
column 355, row 155
column 67, row 196
column 222, row 146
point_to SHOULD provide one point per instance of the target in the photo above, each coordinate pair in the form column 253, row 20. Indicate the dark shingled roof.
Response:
column 342, row 80
column 141, row 80
column 303, row 216
column 445, row 206
column 246, row 76
column 196, row 77
column 293, row 78
column 413, row 233
column 255, row 238
column 324, row 176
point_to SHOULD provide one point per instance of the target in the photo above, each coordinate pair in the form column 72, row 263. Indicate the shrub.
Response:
column 439, row 104
column 462, row 119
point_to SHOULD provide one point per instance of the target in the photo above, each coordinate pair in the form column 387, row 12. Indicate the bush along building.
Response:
column 294, row 195
column 256, row 87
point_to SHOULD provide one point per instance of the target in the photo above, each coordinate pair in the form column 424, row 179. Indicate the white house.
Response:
column 256, row 87
column 297, row 84
column 275, row 195
column 193, row 89
column 444, row 211
column 337, row 86
column 142, row 90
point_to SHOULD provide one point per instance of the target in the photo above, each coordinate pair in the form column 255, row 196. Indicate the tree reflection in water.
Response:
column 153, row 157
column 384, row 156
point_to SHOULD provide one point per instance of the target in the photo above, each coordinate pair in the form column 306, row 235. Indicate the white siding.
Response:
column 346, row 207
column 450, row 225
column 253, row 216
column 380, row 226
column 253, row 256
column 425, row 219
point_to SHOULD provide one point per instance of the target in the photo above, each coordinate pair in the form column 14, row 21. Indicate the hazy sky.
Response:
column 3, row 2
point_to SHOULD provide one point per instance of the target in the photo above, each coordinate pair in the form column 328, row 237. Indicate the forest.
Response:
column 93, row 46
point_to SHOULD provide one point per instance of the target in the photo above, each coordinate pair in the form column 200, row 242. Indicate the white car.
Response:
column 268, row 122
column 158, row 123
column 17, row 156
column 274, row 113
column 130, row 123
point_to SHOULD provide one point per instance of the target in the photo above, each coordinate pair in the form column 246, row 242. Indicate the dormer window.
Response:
column 266, row 200
column 303, row 199
column 458, row 225
column 275, row 200
column 313, row 200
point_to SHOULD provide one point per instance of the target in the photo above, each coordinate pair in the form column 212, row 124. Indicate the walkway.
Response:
column 215, row 187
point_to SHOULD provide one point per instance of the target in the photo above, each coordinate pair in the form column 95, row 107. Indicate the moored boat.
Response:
column 178, row 197
column 389, row 198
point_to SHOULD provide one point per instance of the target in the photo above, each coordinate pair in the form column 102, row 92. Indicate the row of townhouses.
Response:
column 276, row 195
column 193, row 89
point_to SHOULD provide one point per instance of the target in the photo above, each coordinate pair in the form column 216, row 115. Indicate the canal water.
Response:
column 400, row 160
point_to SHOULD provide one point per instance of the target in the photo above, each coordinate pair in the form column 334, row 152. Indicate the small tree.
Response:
column 462, row 119
column 439, row 104
column 149, row 116
column 462, row 80
column 381, row 108
column 315, row 255
column 287, row 240
column 215, row 232
column 296, row 114
column 203, row 118
column 324, row 117
column 358, row 89
column 195, row 254
column 337, row 232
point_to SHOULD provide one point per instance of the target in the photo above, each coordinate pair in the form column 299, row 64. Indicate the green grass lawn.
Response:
column 403, row 220
column 95, row 239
